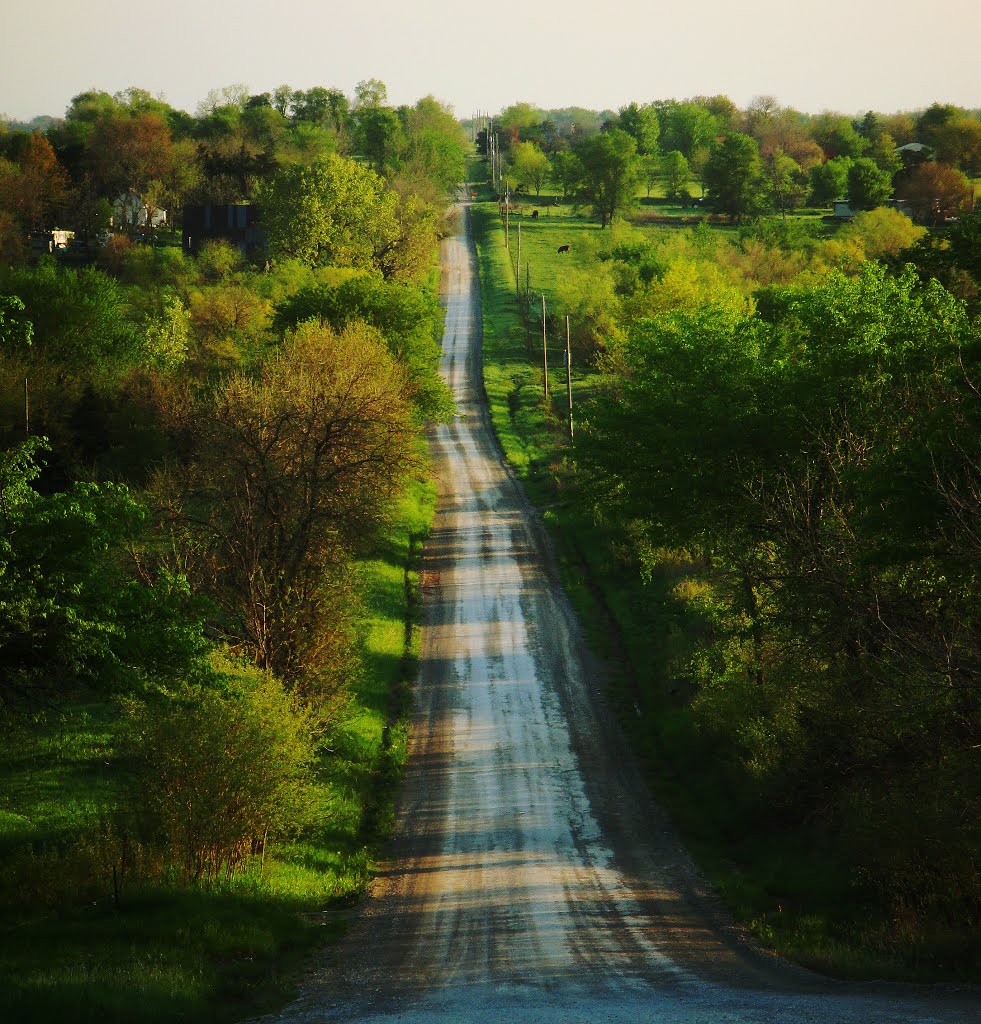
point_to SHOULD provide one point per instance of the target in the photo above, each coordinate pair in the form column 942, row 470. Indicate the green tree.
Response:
column 691, row 126
column 408, row 318
column 222, row 768
column 677, row 175
column 79, row 317
column 379, row 134
column 434, row 148
column 785, row 180
column 641, row 123
column 295, row 469
column 567, row 172
column 530, row 166
column 610, row 170
column 829, row 181
column 734, row 177
column 334, row 213
column 868, row 185
column 70, row 609
column 837, row 136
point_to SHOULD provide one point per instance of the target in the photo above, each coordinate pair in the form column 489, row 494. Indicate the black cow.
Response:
column 564, row 248
column 534, row 215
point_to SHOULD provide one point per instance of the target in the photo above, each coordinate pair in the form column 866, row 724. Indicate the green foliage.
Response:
column 68, row 607
column 220, row 771
column 814, row 455
column 530, row 166
column 610, row 173
column 408, row 317
column 734, row 177
column 335, row 213
column 167, row 337
column 868, row 185
column 642, row 124
column 677, row 175
column 78, row 316
column 16, row 331
column 829, row 181
column 295, row 471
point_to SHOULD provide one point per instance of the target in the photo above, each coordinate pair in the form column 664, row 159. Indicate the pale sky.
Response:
column 846, row 55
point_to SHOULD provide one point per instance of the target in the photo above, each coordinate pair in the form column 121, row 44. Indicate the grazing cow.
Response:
column 564, row 248
column 534, row 215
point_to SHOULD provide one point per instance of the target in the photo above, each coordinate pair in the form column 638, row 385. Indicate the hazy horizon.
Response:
column 813, row 56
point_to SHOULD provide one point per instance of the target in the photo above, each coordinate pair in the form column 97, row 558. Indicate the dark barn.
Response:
column 236, row 223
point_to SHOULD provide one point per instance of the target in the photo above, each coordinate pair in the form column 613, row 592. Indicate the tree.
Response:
column 567, row 172
column 132, row 151
column 295, row 470
column 882, row 233
column 676, row 175
column 734, row 177
column 884, row 152
column 650, row 171
column 784, row 178
column 79, row 317
column 407, row 317
column 609, row 162
column 69, row 609
column 433, row 154
column 530, row 166
column 829, row 181
column 837, row 136
column 642, row 125
column 370, row 92
column 690, row 127
column 935, row 192
column 868, row 185
column 222, row 767
column 334, row 213
column 379, row 134
column 37, row 187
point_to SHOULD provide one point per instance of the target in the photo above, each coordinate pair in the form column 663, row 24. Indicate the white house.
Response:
column 129, row 210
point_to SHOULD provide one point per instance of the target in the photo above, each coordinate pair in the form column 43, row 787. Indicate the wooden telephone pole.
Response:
column 544, row 348
column 568, row 374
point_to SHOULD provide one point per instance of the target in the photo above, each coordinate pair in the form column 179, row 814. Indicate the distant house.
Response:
column 129, row 210
column 840, row 210
column 237, row 223
column 49, row 241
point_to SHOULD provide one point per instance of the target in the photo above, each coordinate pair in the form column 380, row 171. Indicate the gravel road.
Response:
column 532, row 878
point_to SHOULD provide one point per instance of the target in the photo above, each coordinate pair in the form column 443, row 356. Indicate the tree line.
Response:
column 747, row 162
column 69, row 172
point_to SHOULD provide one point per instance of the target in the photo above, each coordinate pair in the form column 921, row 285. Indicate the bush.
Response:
column 221, row 770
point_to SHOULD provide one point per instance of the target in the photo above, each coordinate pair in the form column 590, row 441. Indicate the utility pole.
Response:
column 544, row 348
column 568, row 373
column 517, row 269
column 507, row 217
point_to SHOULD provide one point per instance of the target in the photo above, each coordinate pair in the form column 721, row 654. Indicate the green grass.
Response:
column 790, row 884
column 212, row 953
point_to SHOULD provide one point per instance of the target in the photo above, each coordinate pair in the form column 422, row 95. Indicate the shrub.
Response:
column 220, row 770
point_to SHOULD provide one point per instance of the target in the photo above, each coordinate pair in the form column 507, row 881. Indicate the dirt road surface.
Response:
column 532, row 878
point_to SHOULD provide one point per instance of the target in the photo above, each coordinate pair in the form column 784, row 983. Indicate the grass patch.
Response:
column 214, row 953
